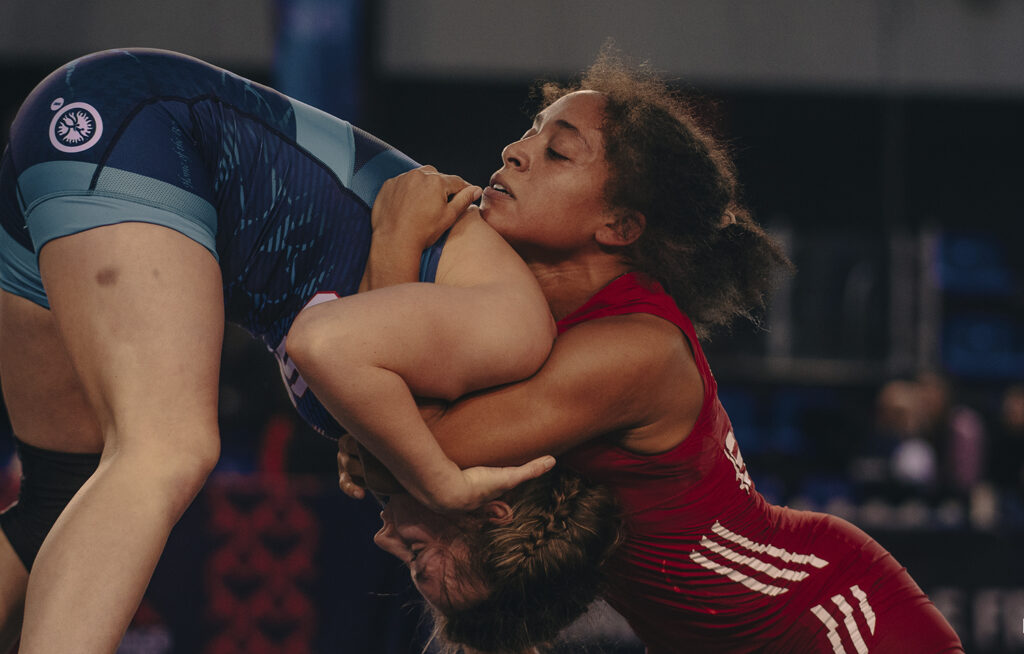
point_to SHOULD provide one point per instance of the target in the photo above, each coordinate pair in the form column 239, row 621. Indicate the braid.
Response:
column 544, row 568
column 543, row 525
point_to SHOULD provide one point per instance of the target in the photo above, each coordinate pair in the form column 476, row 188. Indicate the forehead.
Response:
column 584, row 109
column 444, row 582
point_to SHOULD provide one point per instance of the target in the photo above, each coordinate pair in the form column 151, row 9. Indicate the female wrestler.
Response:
column 612, row 187
column 145, row 197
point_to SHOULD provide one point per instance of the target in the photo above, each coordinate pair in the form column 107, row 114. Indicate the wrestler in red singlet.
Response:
column 710, row 566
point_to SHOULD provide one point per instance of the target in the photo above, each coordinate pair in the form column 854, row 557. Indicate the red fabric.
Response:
column 709, row 566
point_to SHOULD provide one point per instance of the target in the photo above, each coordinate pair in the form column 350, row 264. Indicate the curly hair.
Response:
column 700, row 242
column 543, row 568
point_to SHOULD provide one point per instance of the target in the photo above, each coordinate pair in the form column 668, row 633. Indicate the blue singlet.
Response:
column 279, row 192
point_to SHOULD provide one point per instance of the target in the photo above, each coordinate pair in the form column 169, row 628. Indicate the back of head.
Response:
column 698, row 241
column 543, row 567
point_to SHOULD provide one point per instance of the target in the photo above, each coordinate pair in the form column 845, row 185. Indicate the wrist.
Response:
column 399, row 237
column 440, row 492
column 390, row 263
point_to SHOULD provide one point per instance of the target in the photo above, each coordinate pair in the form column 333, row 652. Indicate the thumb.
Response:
column 495, row 481
column 537, row 467
column 461, row 201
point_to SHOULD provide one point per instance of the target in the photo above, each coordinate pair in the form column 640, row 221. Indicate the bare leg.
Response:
column 13, row 580
column 47, row 409
column 140, row 310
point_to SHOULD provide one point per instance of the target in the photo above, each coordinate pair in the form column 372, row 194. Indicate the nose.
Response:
column 515, row 155
column 388, row 540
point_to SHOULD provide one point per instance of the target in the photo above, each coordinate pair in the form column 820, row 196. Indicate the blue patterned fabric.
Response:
column 279, row 192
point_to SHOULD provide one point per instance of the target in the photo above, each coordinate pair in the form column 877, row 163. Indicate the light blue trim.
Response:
column 54, row 177
column 378, row 170
column 327, row 138
column 113, row 182
column 70, row 214
column 19, row 271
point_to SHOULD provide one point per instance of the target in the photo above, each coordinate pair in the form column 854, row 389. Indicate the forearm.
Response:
column 366, row 355
column 376, row 407
column 393, row 260
column 622, row 377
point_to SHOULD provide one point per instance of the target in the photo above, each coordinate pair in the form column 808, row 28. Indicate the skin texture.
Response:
column 127, row 300
column 631, row 378
column 427, row 543
column 483, row 323
column 104, row 370
column 13, row 583
column 34, row 364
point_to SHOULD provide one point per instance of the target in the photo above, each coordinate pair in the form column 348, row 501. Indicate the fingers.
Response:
column 462, row 200
column 353, row 489
column 488, row 483
column 418, row 205
column 531, row 469
column 459, row 192
column 350, row 468
column 347, row 444
column 538, row 466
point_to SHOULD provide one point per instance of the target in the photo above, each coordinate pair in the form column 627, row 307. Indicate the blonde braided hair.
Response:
column 543, row 567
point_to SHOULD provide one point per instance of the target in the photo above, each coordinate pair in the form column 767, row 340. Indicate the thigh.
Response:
column 13, row 581
column 140, row 310
column 44, row 398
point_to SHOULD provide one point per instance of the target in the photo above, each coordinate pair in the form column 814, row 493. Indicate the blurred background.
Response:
column 880, row 140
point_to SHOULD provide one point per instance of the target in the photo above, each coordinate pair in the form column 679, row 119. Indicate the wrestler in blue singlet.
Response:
column 278, row 191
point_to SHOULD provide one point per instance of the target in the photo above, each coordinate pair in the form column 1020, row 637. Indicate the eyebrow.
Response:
column 566, row 125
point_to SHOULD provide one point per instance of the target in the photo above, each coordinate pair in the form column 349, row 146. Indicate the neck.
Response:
column 568, row 284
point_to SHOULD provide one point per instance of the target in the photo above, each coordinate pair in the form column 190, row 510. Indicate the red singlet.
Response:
column 710, row 566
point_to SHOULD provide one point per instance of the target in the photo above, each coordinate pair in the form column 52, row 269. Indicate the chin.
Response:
column 494, row 219
column 489, row 212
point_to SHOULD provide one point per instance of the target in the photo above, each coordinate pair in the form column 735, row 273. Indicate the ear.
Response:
column 498, row 512
column 621, row 229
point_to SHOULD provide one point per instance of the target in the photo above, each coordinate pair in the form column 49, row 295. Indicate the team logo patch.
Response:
column 75, row 127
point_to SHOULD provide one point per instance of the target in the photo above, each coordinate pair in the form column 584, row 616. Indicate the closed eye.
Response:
column 552, row 154
column 416, row 551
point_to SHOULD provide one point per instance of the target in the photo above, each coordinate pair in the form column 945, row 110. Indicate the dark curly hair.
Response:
column 542, row 569
column 700, row 242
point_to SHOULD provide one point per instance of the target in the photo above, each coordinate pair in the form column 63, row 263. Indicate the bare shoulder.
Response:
column 657, row 369
column 475, row 254
column 655, row 345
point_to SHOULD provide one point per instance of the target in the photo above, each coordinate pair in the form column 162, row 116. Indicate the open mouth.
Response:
column 498, row 189
column 501, row 189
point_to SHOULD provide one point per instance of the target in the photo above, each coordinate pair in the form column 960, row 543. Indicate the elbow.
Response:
column 301, row 341
column 313, row 340
column 528, row 332
column 543, row 330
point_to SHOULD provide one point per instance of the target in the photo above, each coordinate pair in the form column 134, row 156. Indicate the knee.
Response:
column 191, row 465
column 176, row 468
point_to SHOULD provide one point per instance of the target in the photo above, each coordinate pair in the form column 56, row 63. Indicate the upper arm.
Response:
column 619, row 374
column 484, row 323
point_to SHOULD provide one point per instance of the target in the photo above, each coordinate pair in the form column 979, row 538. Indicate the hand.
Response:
column 480, row 484
column 358, row 470
column 419, row 205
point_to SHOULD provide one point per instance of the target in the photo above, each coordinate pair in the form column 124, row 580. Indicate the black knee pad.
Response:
column 48, row 482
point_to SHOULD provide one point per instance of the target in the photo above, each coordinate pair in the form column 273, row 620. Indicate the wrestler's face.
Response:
column 547, row 200
column 429, row 544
